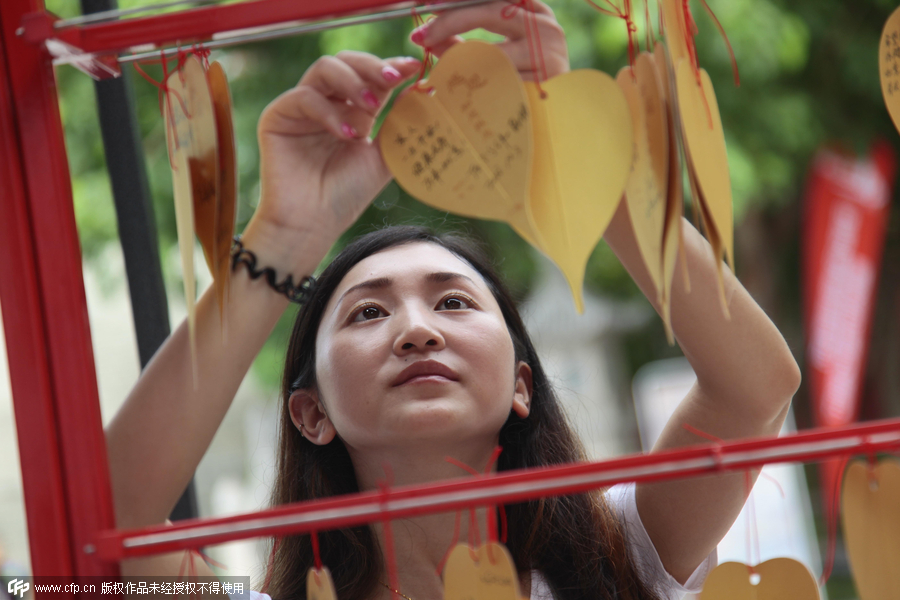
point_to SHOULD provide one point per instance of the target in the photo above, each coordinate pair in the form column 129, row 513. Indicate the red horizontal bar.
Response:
column 508, row 487
column 199, row 24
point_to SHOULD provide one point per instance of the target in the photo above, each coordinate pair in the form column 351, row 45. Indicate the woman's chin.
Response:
column 431, row 420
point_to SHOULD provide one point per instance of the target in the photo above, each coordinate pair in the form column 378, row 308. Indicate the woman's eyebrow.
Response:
column 371, row 284
column 445, row 276
column 383, row 282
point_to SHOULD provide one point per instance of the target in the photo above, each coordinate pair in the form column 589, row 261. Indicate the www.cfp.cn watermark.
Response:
column 18, row 588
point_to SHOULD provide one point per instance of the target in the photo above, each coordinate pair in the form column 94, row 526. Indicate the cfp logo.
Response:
column 17, row 587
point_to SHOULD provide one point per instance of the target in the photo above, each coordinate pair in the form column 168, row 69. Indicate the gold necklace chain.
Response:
column 398, row 592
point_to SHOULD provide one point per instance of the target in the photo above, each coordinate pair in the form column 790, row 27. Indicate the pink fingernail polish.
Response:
column 370, row 99
column 418, row 35
column 390, row 74
column 348, row 130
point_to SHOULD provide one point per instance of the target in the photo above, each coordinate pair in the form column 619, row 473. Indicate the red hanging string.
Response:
column 734, row 65
column 532, row 38
column 648, row 27
column 832, row 510
column 314, row 537
column 428, row 58
column 453, row 543
column 390, row 558
column 752, row 526
column 625, row 14
column 271, row 566
column 165, row 93
column 492, row 534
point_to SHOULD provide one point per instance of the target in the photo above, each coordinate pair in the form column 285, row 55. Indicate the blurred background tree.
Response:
column 809, row 77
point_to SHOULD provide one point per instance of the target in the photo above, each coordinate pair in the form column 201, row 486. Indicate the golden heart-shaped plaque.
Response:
column 647, row 186
column 462, row 141
column 889, row 66
column 776, row 579
column 319, row 585
column 870, row 507
column 583, row 148
column 484, row 574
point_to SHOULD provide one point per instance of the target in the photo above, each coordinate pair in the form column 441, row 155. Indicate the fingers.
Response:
column 441, row 47
column 349, row 78
column 500, row 17
column 342, row 94
column 508, row 19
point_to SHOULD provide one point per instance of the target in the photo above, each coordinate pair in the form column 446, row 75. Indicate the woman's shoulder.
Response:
column 622, row 500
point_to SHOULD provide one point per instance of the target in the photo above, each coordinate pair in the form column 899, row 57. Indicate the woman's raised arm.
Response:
column 746, row 378
column 318, row 172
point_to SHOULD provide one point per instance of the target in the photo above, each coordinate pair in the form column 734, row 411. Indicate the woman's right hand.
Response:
column 319, row 169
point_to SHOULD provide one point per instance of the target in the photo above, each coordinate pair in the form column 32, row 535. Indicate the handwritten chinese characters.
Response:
column 462, row 142
column 889, row 66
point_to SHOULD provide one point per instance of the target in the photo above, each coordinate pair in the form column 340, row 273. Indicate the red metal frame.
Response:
column 45, row 315
column 515, row 486
column 63, row 454
column 196, row 24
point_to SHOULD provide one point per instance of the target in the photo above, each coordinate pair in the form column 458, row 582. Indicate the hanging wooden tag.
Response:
column 583, row 148
column 487, row 573
column 461, row 574
column 776, row 579
column 870, row 507
column 675, row 30
column 319, row 585
column 706, row 155
column 672, row 236
column 889, row 66
column 465, row 146
column 497, row 576
column 646, row 189
column 193, row 145
column 227, row 188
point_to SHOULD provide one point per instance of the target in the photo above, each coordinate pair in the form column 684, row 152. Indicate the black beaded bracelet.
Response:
column 295, row 293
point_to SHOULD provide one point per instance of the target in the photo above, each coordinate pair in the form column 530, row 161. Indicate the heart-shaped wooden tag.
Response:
column 319, row 585
column 227, row 189
column 484, row 574
column 707, row 162
column 870, row 507
column 775, row 579
column 674, row 29
column 461, row 574
column 646, row 189
column 465, row 145
column 583, row 148
column 673, row 240
column 889, row 66
column 705, row 141
column 193, row 144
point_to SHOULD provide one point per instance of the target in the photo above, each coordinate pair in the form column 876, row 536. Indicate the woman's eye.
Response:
column 454, row 303
column 368, row 313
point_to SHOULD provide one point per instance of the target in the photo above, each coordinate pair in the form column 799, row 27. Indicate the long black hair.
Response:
column 574, row 541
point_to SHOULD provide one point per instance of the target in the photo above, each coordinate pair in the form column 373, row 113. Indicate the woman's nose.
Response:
column 418, row 332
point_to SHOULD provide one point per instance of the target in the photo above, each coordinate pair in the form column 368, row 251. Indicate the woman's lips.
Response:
column 425, row 371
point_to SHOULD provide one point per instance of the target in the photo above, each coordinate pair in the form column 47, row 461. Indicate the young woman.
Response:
column 409, row 351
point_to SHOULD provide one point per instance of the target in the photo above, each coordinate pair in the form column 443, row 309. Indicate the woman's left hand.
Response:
column 507, row 19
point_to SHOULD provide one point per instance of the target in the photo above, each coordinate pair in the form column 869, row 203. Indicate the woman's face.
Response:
column 413, row 347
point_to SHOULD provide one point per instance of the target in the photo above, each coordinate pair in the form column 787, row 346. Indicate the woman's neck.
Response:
column 421, row 543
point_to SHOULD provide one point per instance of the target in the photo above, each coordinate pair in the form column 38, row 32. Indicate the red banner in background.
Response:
column 845, row 217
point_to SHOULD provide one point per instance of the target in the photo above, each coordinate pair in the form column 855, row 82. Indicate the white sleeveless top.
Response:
column 647, row 560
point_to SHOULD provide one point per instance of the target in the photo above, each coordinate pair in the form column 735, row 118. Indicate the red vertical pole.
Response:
column 42, row 481
column 63, row 325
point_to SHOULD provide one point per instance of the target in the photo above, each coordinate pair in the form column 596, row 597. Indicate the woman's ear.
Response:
column 308, row 415
column 522, row 396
